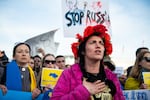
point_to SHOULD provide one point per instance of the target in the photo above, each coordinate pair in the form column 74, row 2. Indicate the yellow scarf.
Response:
column 33, row 79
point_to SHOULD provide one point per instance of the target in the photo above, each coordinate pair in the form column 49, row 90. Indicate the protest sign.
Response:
column 50, row 76
column 77, row 14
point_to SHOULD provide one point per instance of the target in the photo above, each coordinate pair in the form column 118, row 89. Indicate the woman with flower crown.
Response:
column 87, row 79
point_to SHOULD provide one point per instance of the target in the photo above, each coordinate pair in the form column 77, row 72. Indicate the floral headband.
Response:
column 88, row 32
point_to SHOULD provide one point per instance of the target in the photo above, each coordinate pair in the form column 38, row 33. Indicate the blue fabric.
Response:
column 13, row 76
column 46, row 95
column 122, row 87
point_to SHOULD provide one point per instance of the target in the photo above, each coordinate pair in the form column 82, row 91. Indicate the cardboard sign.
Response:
column 78, row 14
column 137, row 94
column 119, row 71
column 50, row 76
column 146, row 78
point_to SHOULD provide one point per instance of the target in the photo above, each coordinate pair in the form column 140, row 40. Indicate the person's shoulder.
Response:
column 130, row 78
column 73, row 69
column 107, row 70
column 128, row 70
column 129, row 67
column 109, row 73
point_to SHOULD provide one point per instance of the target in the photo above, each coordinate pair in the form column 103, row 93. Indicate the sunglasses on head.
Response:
column 50, row 61
column 147, row 59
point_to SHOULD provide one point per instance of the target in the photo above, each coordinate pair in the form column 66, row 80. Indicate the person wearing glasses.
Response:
column 88, row 79
column 19, row 75
column 60, row 62
column 49, row 61
column 135, row 79
column 138, row 51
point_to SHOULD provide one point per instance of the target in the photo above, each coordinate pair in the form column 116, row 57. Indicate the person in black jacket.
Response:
column 3, row 62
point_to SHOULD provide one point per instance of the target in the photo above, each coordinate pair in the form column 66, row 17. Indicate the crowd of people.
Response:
column 91, row 77
column 24, row 72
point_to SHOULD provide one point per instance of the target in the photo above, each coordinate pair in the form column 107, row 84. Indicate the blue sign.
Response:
column 137, row 94
column 18, row 95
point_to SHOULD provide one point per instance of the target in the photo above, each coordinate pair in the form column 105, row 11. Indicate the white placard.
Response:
column 77, row 14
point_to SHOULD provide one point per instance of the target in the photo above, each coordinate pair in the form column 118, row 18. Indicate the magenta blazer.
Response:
column 69, row 85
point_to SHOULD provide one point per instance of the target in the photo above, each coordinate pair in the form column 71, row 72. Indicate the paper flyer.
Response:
column 50, row 76
column 146, row 78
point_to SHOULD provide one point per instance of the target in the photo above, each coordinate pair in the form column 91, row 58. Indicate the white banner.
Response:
column 19, row 95
column 77, row 14
column 137, row 94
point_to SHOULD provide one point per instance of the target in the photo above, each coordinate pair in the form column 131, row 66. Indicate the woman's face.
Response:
column 49, row 62
column 145, row 63
column 22, row 54
column 94, row 48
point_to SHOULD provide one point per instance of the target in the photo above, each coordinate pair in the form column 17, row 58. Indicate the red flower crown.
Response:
column 88, row 32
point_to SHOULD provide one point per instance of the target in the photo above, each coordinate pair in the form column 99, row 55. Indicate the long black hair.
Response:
column 101, row 75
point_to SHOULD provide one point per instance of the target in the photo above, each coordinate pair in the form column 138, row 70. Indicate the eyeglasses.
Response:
column 3, row 63
column 147, row 59
column 50, row 61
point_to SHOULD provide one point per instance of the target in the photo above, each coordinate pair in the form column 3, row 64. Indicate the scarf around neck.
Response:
column 13, row 77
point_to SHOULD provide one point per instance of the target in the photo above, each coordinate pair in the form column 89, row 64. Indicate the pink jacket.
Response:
column 69, row 85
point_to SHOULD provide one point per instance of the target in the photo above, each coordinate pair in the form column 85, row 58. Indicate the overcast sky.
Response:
column 23, row 19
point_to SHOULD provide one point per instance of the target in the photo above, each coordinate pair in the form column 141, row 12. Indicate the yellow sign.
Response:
column 146, row 78
column 50, row 76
